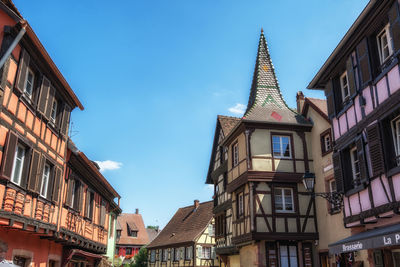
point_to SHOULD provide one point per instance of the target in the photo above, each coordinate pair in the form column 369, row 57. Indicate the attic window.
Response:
column 133, row 233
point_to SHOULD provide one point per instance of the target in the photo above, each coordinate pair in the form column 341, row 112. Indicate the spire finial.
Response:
column 262, row 31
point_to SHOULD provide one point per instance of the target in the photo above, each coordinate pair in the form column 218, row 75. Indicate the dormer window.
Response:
column 344, row 85
column 384, row 44
column 30, row 77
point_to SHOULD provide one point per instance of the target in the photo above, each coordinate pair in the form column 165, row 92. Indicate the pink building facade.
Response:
column 361, row 80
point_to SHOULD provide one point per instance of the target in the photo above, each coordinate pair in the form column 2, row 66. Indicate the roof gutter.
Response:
column 314, row 83
column 13, row 44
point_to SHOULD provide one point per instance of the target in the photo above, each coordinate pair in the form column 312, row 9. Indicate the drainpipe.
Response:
column 13, row 44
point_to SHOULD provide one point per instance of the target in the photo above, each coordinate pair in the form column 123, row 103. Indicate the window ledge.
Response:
column 357, row 189
column 346, row 106
column 393, row 171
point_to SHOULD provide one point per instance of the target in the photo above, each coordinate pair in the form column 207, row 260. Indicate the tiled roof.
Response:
column 185, row 226
column 152, row 233
column 134, row 220
column 227, row 123
column 319, row 103
column 266, row 103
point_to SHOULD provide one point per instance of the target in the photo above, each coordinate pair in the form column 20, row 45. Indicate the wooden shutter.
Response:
column 102, row 212
column 350, row 76
column 70, row 188
column 337, row 170
column 35, row 171
column 361, row 158
column 199, row 252
column 375, row 149
column 307, row 255
column 395, row 25
column 272, row 255
column 26, row 168
column 49, row 104
column 87, row 204
column 8, row 155
column 22, row 70
column 57, row 184
column 330, row 99
column 80, row 197
column 65, row 119
column 338, row 99
column 44, row 95
column 364, row 63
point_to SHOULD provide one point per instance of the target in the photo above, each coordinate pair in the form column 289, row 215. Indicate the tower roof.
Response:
column 266, row 103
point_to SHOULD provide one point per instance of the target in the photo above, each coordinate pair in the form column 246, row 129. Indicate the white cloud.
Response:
column 108, row 165
column 238, row 109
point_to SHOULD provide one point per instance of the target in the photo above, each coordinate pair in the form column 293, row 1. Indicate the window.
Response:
column 128, row 251
column 326, row 141
column 332, row 189
column 18, row 164
column 384, row 44
column 53, row 113
column 344, row 85
column 45, row 180
column 211, row 229
column 188, row 253
column 240, row 205
column 396, row 138
column 281, row 146
column 153, row 256
column 133, row 233
column 235, row 154
column 89, row 204
column 288, row 255
column 355, row 165
column 176, row 254
column 206, row 252
column 75, row 195
column 30, row 77
column 283, row 199
column 165, row 255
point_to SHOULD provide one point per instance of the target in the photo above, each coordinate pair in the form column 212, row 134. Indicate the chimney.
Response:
column 196, row 204
column 137, row 211
column 300, row 101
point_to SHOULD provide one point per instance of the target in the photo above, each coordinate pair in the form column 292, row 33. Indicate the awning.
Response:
column 376, row 238
column 78, row 252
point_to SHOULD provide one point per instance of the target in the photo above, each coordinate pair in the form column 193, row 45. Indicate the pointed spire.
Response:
column 265, row 101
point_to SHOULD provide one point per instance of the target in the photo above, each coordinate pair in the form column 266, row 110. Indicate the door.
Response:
column 288, row 255
column 378, row 258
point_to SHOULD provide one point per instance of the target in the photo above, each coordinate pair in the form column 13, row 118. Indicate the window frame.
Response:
column 152, row 256
column 46, row 188
column 186, row 253
column 90, row 208
column 22, row 166
column 284, row 210
column 395, row 126
column 54, row 111
column 29, row 71
column 204, row 250
column 280, row 135
column 384, row 32
column 164, row 255
column 354, row 160
column 342, row 86
column 235, row 154
column 240, row 205
column 324, row 149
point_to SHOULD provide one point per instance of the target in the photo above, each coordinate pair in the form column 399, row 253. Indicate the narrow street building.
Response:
column 187, row 239
column 329, row 215
column 361, row 80
column 132, row 235
column 228, row 253
column 268, row 153
column 54, row 203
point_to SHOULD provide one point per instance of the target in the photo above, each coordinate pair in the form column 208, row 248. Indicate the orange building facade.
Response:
column 54, row 202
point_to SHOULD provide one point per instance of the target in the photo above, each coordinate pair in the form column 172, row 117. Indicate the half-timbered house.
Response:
column 187, row 239
column 227, row 252
column 361, row 80
column 329, row 215
column 43, row 184
column 273, row 217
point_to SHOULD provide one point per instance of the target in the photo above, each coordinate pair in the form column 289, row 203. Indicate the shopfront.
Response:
column 382, row 245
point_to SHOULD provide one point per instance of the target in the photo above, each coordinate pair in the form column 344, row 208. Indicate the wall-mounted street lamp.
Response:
column 334, row 198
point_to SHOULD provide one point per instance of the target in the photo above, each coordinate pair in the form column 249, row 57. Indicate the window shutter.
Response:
column 361, row 158
column 26, row 168
column 338, row 99
column 330, row 99
column 57, row 183
column 65, row 119
column 44, row 95
column 68, row 200
column 213, row 254
column 199, row 252
column 87, row 204
column 35, row 171
column 103, row 213
column 51, row 183
column 350, row 76
column 23, row 68
column 337, row 170
column 8, row 155
column 49, row 104
column 375, row 149
column 363, row 60
column 395, row 25
column 80, row 199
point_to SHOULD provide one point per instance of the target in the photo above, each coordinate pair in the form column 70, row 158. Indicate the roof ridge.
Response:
column 316, row 98
column 229, row 117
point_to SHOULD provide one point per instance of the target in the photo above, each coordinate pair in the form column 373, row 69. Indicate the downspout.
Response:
column 13, row 44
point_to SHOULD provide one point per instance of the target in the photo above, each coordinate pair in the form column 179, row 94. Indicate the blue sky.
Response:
column 154, row 74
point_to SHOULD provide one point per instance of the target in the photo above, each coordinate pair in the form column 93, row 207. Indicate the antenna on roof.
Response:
column 262, row 31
